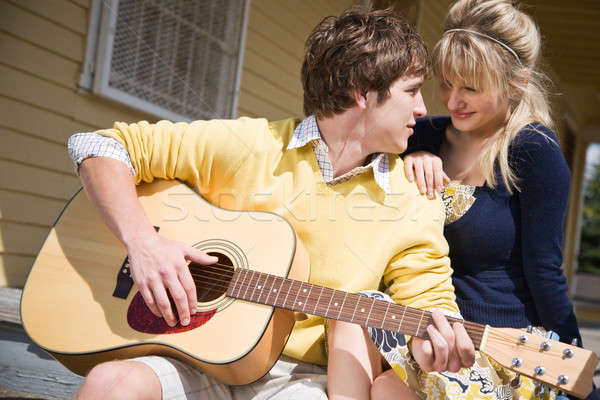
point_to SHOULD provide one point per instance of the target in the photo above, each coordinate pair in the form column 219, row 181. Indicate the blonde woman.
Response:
column 507, row 199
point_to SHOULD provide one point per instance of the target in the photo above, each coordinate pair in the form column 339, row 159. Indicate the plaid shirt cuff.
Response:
column 86, row 145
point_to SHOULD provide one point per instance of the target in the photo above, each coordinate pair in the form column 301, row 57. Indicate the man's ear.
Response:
column 360, row 99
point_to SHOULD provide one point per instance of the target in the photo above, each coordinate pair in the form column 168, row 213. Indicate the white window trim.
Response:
column 96, row 68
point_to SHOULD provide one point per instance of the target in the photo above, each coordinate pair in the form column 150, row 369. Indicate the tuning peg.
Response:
column 539, row 371
column 545, row 346
column 529, row 328
column 568, row 353
column 552, row 335
column 575, row 342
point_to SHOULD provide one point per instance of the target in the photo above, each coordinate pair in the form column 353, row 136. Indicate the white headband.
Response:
column 487, row 37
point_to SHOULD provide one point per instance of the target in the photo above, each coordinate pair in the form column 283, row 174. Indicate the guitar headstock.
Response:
column 566, row 367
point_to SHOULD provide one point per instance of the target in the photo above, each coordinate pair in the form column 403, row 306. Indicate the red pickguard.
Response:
column 141, row 319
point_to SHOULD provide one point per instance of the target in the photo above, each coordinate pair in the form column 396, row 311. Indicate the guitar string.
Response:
column 314, row 304
column 378, row 311
column 499, row 334
column 408, row 314
column 416, row 313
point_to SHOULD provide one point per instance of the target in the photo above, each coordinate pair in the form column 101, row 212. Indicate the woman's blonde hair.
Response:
column 465, row 56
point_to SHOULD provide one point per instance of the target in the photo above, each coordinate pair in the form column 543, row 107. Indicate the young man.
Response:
column 334, row 176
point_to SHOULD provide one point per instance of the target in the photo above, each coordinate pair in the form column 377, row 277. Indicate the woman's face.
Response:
column 479, row 112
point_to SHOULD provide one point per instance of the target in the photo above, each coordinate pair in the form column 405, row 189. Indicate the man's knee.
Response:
column 118, row 380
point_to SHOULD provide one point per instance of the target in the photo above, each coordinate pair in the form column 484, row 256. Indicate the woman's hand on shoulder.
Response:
column 427, row 169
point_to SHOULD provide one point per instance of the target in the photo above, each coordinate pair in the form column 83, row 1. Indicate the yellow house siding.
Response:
column 42, row 47
column 41, row 211
column 27, row 57
column 33, row 180
column 15, row 267
column 274, row 51
column 431, row 27
column 81, row 3
column 46, row 125
column 62, row 13
column 33, row 151
column 41, row 31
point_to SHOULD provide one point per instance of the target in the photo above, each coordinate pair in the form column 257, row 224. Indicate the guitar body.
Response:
column 78, row 303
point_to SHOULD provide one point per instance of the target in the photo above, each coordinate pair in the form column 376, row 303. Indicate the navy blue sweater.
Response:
column 506, row 250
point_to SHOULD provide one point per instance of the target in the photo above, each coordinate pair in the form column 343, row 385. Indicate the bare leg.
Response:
column 389, row 386
column 353, row 363
column 120, row 380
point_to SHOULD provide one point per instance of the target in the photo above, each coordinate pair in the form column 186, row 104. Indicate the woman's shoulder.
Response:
column 428, row 136
column 537, row 148
column 534, row 135
column 535, row 141
column 434, row 124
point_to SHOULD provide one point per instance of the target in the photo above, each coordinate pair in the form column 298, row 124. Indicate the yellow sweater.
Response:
column 354, row 232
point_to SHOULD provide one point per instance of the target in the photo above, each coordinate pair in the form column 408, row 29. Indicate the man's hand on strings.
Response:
column 159, row 268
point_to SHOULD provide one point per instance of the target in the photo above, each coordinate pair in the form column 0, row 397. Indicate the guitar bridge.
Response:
column 124, row 281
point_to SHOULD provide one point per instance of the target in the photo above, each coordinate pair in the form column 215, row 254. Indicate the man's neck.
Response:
column 344, row 134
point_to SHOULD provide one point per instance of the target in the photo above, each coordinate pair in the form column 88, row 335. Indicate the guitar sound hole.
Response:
column 213, row 280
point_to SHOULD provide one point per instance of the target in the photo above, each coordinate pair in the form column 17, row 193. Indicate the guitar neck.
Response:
column 258, row 287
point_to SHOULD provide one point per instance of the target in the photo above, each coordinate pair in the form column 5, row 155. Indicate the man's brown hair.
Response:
column 361, row 50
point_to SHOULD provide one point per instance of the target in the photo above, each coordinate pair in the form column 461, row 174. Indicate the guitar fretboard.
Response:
column 290, row 294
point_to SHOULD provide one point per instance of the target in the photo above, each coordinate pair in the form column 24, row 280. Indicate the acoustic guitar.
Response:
column 80, row 304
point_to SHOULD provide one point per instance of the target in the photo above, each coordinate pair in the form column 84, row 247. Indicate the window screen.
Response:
column 177, row 59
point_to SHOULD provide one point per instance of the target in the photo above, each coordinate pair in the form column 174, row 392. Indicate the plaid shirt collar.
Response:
column 308, row 131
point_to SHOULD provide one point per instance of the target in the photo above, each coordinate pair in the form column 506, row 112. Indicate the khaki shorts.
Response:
column 288, row 379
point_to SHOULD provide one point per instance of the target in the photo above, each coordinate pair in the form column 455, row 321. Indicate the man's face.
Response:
column 390, row 123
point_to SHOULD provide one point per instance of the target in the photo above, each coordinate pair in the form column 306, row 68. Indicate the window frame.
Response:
column 98, row 57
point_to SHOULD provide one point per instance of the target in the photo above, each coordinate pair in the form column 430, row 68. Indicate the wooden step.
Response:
column 25, row 366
